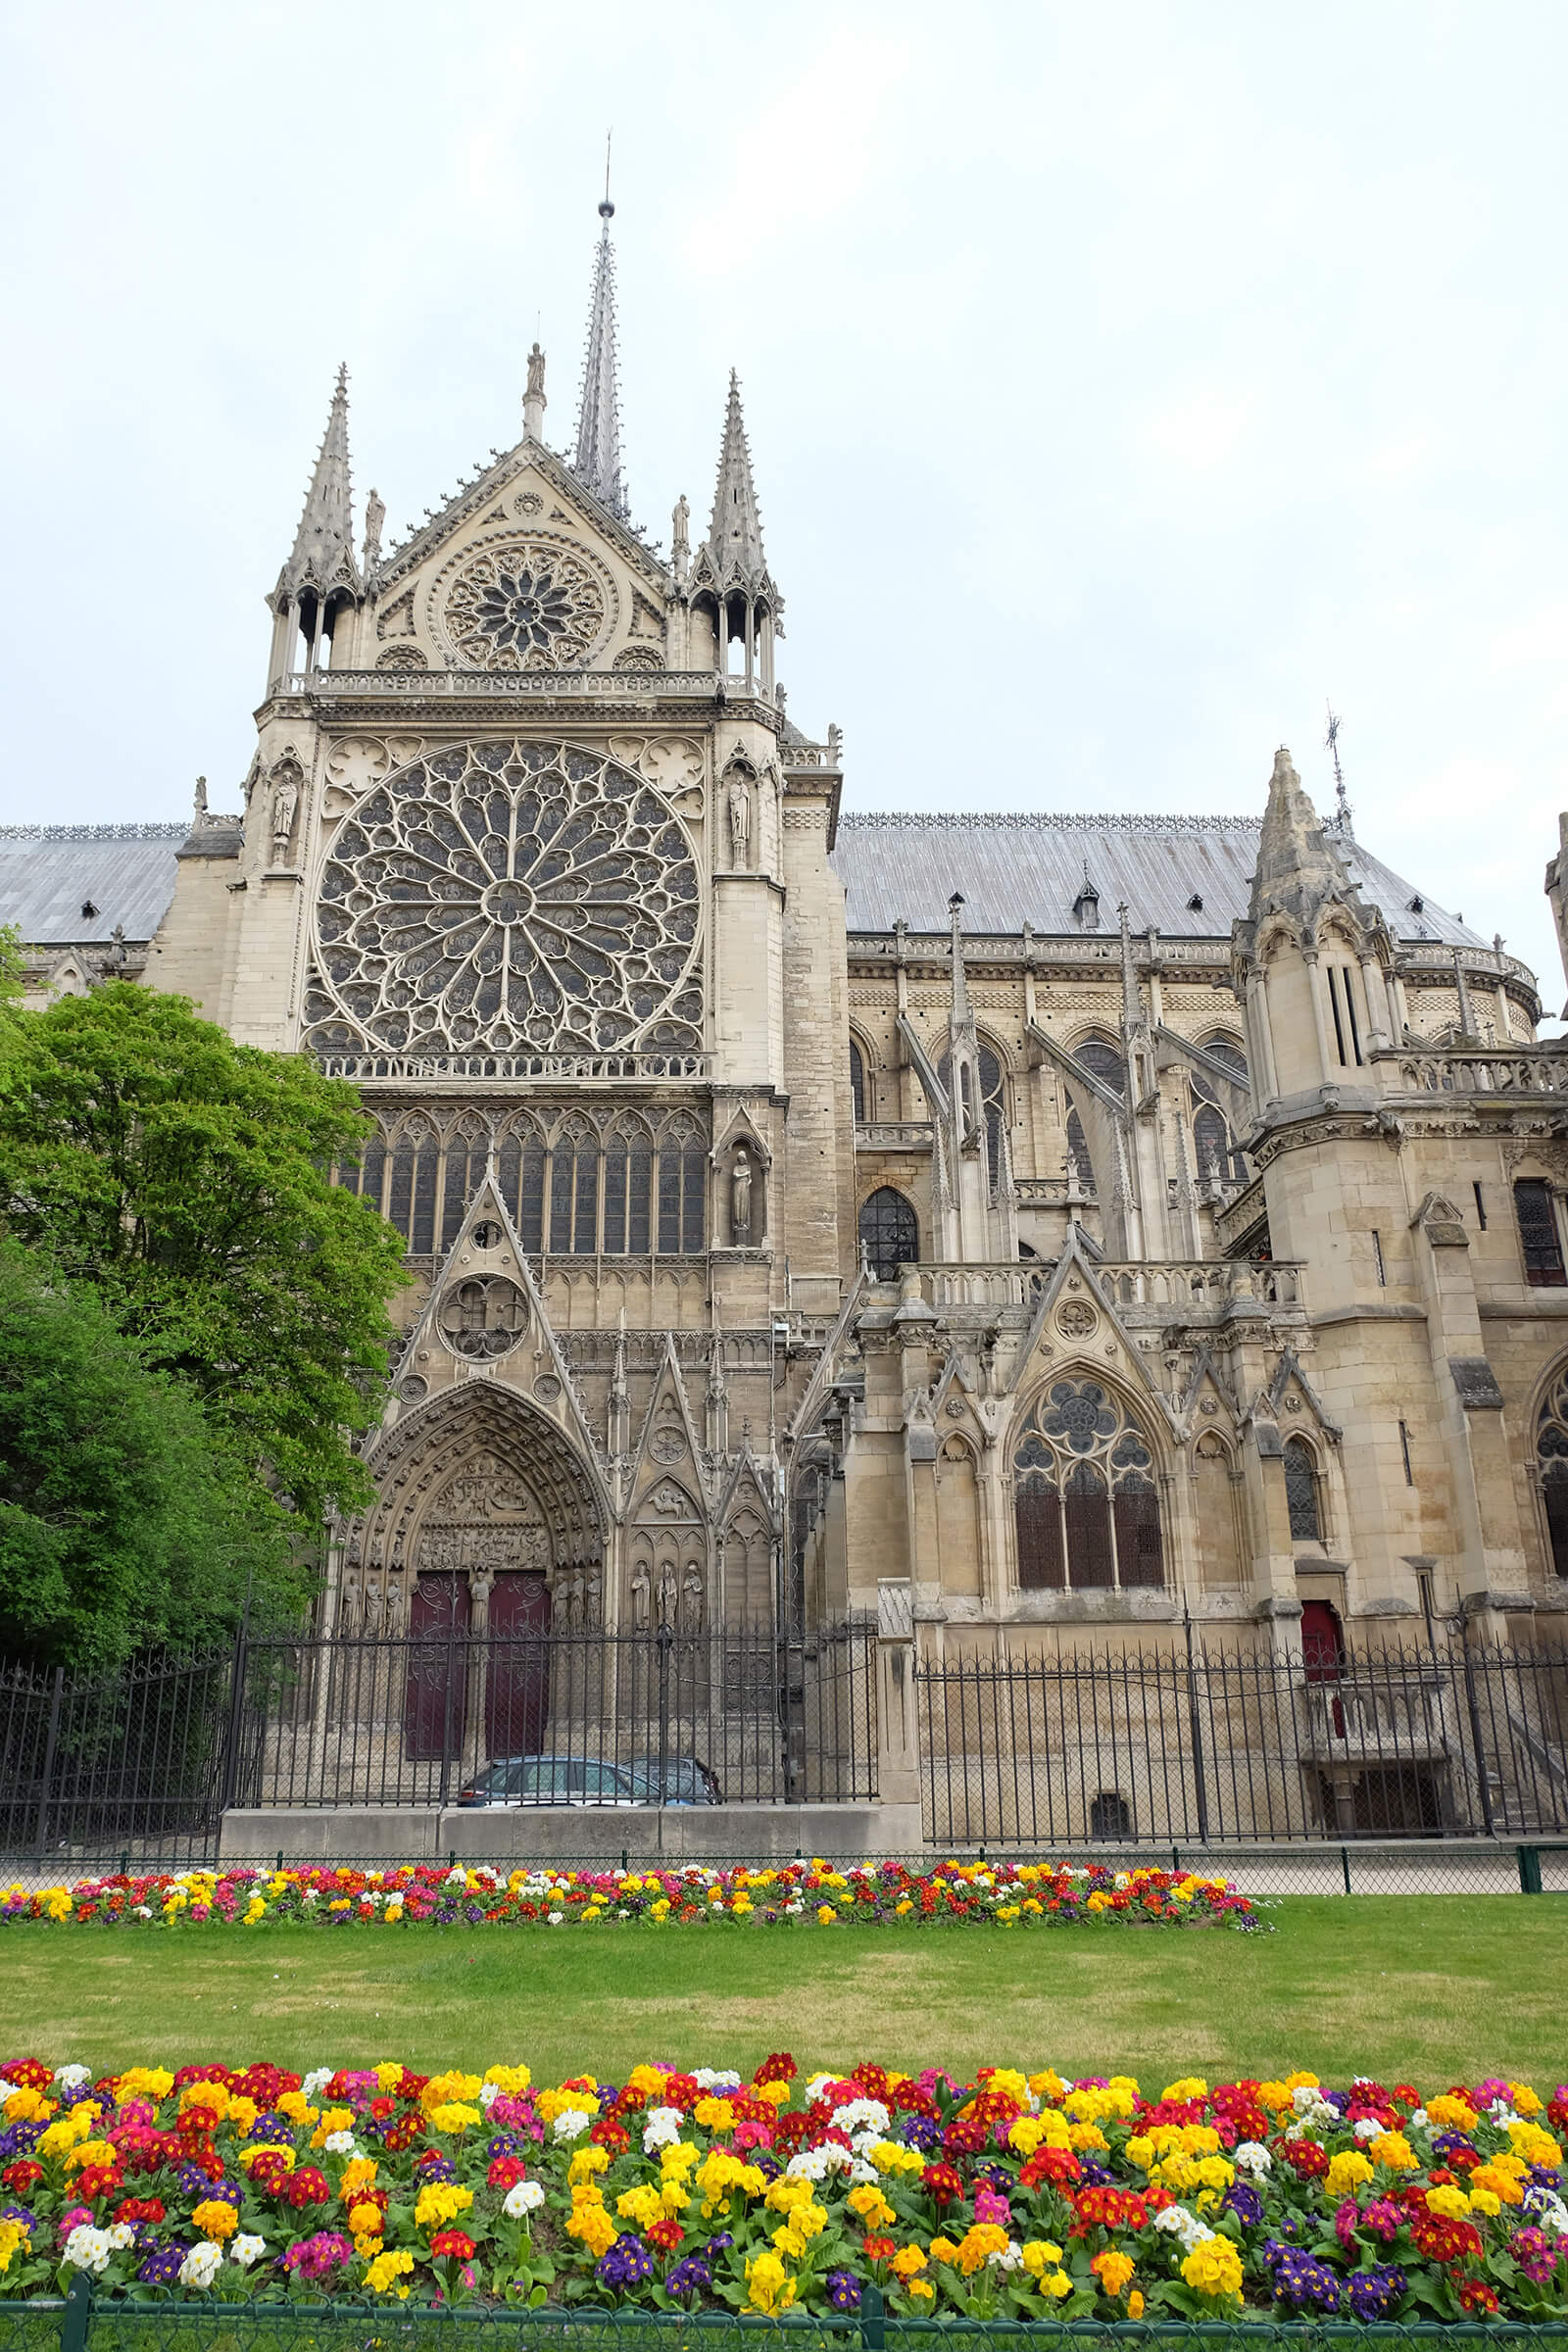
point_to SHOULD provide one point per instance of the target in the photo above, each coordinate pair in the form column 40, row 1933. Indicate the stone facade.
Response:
column 984, row 1224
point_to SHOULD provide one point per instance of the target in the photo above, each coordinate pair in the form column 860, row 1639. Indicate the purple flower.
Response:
column 1245, row 2203
column 19, row 2213
column 843, row 2290
column 1375, row 2292
column 689, row 2278
column 193, row 2181
column 627, row 2264
column 432, row 2167
column 1382, row 2219
column 1534, row 2253
column 921, row 2131
column 318, row 2257
column 162, row 2266
column 1301, row 2279
column 719, row 2245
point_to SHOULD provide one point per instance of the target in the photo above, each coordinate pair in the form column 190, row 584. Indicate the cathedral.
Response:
column 990, row 1228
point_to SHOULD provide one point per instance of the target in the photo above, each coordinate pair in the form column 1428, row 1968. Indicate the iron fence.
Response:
column 1198, row 1745
column 131, row 1759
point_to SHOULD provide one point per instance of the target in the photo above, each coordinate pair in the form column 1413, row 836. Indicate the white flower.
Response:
column 87, row 2249
column 814, row 2164
column 71, row 2078
column 661, row 2129
column 142, row 1910
column 1010, row 2257
column 555, row 1918
column 1250, row 2156
column 489, row 2093
column 716, row 2077
column 796, row 1906
column 202, row 2264
column 1305, row 2096
column 816, row 2086
column 122, row 2236
column 1368, row 2128
column 1183, row 2224
column 861, row 2115
column 456, row 1875
column 317, row 2081
column 340, row 2144
column 1549, row 2209
column 1418, row 2120
column 862, row 2170
column 246, row 2249
column 571, row 2122
column 525, row 2197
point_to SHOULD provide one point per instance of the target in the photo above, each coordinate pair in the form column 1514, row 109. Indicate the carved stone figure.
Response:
column 374, row 518
column 537, row 373
column 740, row 1200
column 739, row 804
column 200, row 811
column 691, row 1600
column 668, row 1594
column 285, row 805
column 640, row 1597
column 679, row 543
column 593, row 1600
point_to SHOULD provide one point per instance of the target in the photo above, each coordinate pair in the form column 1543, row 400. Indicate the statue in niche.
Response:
column 640, row 1597
column 371, row 1613
column 679, row 542
column 572, row 1602
column 593, row 1600
column 740, row 816
column 740, row 1200
column 285, row 805
column 668, row 1596
column 691, row 1600
column 394, row 1611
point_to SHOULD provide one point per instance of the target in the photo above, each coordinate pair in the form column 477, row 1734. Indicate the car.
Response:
column 515, row 1780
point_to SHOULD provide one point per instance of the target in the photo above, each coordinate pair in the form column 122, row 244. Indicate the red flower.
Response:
column 790, row 2133
column 879, row 2249
column 141, row 2209
column 779, row 2068
column 607, row 2134
column 1305, row 2158
column 942, row 2183
column 1059, row 2165
column 630, row 2101
column 21, row 2174
column 873, row 2080
column 1103, row 2208
column 270, row 2172
column 307, row 2187
column 452, row 2245
column 1476, row 2295
column 667, row 2234
column 506, row 2171
column 98, row 2181
column 1438, row 2239
column 30, row 2073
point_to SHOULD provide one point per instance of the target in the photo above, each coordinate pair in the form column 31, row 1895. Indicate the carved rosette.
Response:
column 524, row 603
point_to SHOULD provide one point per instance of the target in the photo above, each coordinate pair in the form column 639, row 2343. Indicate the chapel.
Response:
column 988, row 1226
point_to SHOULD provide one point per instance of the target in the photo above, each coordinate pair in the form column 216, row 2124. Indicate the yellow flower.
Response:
column 366, row 2222
column 386, row 2269
column 1135, row 2305
column 297, row 2107
column 1525, row 2100
column 714, row 2114
column 444, row 2087
column 1482, row 2200
column 907, row 2261
column 453, row 2116
column 359, row 2172
column 1500, row 2182
column 979, row 2240
column 871, row 2205
column 593, row 2225
column 13, row 2239
column 1449, row 2202
column 1533, row 2145
column 641, row 2205
column 826, row 1915
column 1039, row 2256
column 1114, row 2269
column 441, row 2201
column 216, row 2218
column 246, row 2157
column 1213, row 2268
column 509, row 2080
column 1394, row 2150
column 943, row 2249
column 1346, row 2172
column 1450, row 2114
column 1191, row 2087
column 769, row 2284
column 1056, row 2282
column 585, row 2163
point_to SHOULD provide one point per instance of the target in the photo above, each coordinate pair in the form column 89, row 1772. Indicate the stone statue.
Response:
column 691, row 1600
column 394, row 1610
column 200, row 813
column 592, row 1602
column 740, row 816
column 371, row 1612
column 679, row 543
column 285, row 805
column 374, row 518
column 835, row 746
column 640, row 1597
column 668, row 1594
column 537, row 373
column 740, row 1200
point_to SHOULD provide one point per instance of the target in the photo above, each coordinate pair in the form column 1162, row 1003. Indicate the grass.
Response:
column 1409, row 1988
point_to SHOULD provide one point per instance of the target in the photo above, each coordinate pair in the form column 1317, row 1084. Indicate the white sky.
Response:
column 1121, row 381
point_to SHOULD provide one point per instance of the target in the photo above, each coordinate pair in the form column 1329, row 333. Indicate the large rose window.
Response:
column 525, row 604
column 508, row 897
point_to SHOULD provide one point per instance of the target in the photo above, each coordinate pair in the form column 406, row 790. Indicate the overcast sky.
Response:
column 1122, row 381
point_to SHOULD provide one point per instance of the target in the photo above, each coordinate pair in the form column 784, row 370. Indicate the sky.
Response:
column 1123, row 383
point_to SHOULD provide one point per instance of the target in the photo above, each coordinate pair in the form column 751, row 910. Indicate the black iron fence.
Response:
column 1197, row 1744
column 146, row 1761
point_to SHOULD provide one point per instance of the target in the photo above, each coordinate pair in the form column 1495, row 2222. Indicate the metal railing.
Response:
column 1021, row 1746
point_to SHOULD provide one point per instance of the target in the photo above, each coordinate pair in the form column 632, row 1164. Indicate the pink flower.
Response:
column 1344, row 2221
column 990, row 2207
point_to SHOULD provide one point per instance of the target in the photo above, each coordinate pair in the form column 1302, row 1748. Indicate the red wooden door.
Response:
column 434, row 1700
column 516, row 1686
column 1323, row 1651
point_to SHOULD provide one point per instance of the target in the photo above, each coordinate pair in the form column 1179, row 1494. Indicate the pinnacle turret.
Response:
column 734, row 546
column 1297, row 865
column 324, row 545
column 597, row 464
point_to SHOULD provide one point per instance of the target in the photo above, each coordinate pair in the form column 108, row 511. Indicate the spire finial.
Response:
column 324, row 545
column 1342, row 805
column 597, row 464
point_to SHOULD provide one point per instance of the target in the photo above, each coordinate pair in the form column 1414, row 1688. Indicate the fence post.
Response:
column 228, row 1793
column 445, row 1788
column 51, row 1740
column 1196, row 1727
column 1529, row 1870
column 873, row 2320
column 1473, row 1708
column 77, row 2314
column 1345, row 1865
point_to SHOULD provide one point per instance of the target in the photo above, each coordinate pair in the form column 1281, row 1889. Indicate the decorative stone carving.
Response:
column 1076, row 1319
column 666, row 1595
column 691, row 1598
column 483, row 1317
column 740, row 1200
column 641, row 1596
column 499, row 897
column 401, row 656
column 739, row 797
column 527, row 604
column 287, row 778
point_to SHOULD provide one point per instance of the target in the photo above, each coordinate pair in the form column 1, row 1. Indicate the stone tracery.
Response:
column 527, row 604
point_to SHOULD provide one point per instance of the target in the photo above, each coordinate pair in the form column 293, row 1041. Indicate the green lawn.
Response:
column 1426, row 1990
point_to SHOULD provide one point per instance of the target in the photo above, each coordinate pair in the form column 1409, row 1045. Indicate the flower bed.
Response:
column 1012, row 2196
column 867, row 1895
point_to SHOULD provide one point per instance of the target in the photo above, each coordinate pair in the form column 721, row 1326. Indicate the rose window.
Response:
column 508, row 897
column 525, row 604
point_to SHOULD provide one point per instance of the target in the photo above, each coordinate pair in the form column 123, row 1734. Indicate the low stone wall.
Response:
column 568, row 1833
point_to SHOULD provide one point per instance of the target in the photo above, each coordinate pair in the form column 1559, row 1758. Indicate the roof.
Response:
column 1019, row 866
column 49, row 872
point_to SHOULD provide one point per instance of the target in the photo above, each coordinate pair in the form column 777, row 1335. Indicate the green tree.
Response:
column 185, row 1179
column 127, row 1520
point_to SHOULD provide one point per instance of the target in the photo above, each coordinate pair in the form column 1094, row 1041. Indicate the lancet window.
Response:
column 1214, row 1144
column 1552, row 1468
column 890, row 1233
column 1107, row 1063
column 1301, row 1493
column 1085, row 1497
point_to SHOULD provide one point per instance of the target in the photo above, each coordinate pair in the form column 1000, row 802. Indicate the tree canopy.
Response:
column 126, row 1520
column 185, row 1179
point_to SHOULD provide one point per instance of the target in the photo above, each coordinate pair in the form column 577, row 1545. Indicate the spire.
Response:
column 735, row 534
column 324, row 545
column 597, row 464
column 1298, row 865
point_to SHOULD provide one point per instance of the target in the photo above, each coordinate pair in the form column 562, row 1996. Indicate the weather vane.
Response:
column 1341, row 817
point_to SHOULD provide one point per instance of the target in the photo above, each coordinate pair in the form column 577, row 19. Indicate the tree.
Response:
column 127, row 1520
column 186, row 1179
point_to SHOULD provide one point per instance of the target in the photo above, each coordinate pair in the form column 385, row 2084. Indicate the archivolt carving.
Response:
column 482, row 1459
column 497, row 896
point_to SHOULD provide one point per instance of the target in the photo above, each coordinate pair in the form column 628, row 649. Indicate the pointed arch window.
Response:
column 1214, row 1144
column 1301, row 1493
column 468, row 1149
column 890, row 1233
column 521, row 1174
column 412, row 1194
column 857, row 1082
column 1108, row 1064
column 1552, row 1468
column 682, row 1189
column 1540, row 1239
column 366, row 1176
column 991, row 1109
column 628, row 1191
column 1086, row 1501
column 574, row 1191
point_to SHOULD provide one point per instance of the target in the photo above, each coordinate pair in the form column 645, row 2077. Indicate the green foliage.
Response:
column 126, row 1520
column 185, row 1178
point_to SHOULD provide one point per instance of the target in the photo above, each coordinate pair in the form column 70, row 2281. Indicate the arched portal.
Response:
column 488, row 1522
